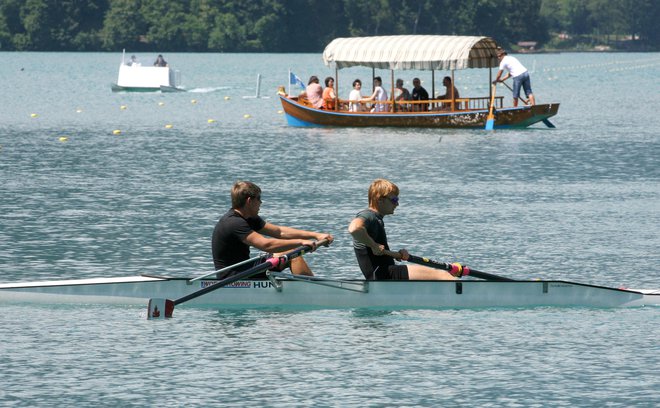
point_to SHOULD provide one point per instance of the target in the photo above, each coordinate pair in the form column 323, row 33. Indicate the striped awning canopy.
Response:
column 423, row 52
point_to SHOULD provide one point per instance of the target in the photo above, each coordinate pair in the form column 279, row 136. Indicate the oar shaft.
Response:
column 269, row 263
column 230, row 267
column 450, row 268
column 525, row 101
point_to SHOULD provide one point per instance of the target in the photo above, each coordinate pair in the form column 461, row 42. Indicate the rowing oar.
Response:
column 546, row 121
column 455, row 269
column 228, row 268
column 161, row 308
column 521, row 98
column 490, row 120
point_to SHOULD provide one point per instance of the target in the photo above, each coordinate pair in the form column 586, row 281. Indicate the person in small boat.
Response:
column 518, row 72
column 329, row 95
column 379, row 95
column 446, row 81
column 133, row 61
column 370, row 240
column 355, row 96
column 242, row 227
column 419, row 94
column 401, row 94
column 314, row 92
column 160, row 61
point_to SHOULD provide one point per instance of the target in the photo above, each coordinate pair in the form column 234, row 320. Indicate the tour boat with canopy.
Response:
column 417, row 52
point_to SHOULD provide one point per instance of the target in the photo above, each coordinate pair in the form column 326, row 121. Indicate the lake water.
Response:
column 580, row 202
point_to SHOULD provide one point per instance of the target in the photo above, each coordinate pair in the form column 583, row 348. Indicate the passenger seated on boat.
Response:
column 446, row 81
column 314, row 92
column 329, row 94
column 355, row 96
column 379, row 95
column 160, row 61
column 419, row 94
column 401, row 94
column 242, row 227
column 133, row 61
column 370, row 240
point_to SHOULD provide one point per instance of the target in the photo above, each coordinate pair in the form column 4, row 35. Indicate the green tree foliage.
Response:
column 308, row 25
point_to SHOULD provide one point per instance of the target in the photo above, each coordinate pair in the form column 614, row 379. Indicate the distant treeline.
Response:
column 308, row 25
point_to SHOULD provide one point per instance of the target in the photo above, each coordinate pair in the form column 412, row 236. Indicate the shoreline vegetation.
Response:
column 306, row 26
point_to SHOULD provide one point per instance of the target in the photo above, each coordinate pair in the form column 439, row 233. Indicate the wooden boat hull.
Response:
column 328, row 293
column 521, row 117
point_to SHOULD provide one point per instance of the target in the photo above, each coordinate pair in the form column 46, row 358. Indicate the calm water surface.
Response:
column 580, row 202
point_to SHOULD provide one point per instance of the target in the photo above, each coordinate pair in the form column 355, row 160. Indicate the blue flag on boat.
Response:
column 294, row 80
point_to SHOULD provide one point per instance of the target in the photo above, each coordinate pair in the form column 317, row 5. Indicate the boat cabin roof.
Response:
column 420, row 52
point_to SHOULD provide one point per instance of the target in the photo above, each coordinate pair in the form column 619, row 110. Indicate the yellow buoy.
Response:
column 122, row 107
column 280, row 111
column 227, row 98
column 34, row 115
column 116, row 132
column 211, row 120
column 161, row 103
column 168, row 126
column 63, row 139
column 246, row 116
column 78, row 110
column 193, row 101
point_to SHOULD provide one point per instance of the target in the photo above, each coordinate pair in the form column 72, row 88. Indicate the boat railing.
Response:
column 431, row 105
column 354, row 286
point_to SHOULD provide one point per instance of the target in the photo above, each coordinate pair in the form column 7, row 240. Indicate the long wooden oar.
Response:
column 455, row 269
column 490, row 120
column 525, row 101
column 161, row 308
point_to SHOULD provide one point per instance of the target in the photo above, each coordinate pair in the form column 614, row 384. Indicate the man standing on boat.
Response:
column 370, row 240
column 518, row 72
column 242, row 227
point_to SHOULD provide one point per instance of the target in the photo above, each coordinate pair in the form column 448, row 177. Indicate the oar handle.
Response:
column 456, row 269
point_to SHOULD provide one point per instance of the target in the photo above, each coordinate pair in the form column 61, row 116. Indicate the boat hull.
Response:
column 138, row 78
column 330, row 293
column 521, row 117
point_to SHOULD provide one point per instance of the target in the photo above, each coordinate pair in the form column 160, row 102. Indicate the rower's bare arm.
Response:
column 283, row 232
column 359, row 233
column 271, row 245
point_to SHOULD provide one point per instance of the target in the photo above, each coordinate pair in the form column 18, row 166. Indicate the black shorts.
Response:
column 259, row 276
column 392, row 272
